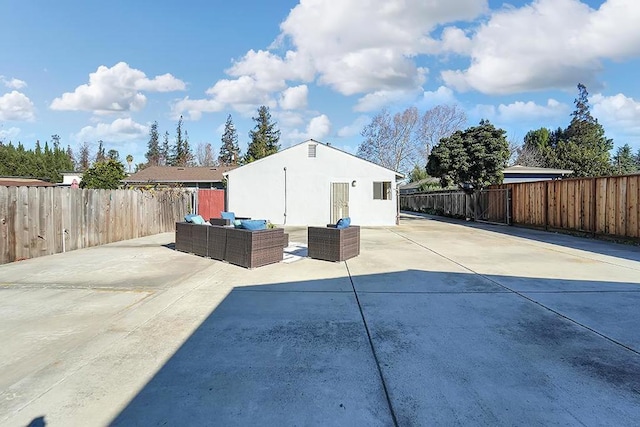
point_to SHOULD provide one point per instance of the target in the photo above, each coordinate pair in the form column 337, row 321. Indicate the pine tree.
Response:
column 153, row 146
column 624, row 162
column 264, row 136
column 582, row 146
column 71, row 157
column 229, row 150
column 84, row 157
column 100, row 154
column 165, row 151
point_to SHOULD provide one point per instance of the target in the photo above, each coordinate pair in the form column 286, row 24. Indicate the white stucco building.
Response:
column 314, row 184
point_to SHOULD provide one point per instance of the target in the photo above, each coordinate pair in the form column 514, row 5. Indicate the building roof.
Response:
column 313, row 141
column 179, row 174
column 417, row 184
column 518, row 169
column 12, row 181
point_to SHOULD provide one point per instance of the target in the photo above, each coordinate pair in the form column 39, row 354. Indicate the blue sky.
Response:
column 91, row 71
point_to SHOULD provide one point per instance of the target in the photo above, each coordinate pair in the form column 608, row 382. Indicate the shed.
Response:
column 313, row 183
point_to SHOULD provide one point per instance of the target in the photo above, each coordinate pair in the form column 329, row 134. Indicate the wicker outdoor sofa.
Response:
column 333, row 244
column 246, row 248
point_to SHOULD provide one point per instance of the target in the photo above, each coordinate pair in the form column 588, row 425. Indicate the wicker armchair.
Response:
column 333, row 244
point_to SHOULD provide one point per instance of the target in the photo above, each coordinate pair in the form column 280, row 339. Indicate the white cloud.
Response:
column 547, row 44
column 122, row 129
column 10, row 134
column 330, row 45
column 376, row 100
column 294, row 98
column 351, row 60
column 618, row 112
column 354, row 128
column 115, row 89
column 16, row 106
column 13, row 83
column 520, row 111
column 193, row 108
column 318, row 128
column 442, row 95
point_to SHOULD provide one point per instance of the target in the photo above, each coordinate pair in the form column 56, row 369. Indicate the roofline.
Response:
column 398, row 174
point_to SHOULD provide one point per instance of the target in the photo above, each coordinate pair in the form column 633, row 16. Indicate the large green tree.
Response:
column 473, row 156
column 41, row 163
column 229, row 149
column 582, row 146
column 623, row 161
column 106, row 174
column 265, row 136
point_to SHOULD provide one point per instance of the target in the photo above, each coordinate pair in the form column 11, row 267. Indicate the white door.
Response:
column 339, row 201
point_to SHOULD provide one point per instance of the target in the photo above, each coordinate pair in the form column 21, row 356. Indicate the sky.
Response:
column 90, row 71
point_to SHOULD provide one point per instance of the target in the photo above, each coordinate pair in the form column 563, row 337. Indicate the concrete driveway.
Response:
column 435, row 323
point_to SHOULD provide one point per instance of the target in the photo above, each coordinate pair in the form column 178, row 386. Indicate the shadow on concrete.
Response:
column 453, row 348
column 602, row 247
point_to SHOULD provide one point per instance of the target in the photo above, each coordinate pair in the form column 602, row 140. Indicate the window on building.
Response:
column 382, row 190
column 312, row 150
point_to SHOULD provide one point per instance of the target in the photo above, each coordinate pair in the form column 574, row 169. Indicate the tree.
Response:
column 418, row 174
column 84, row 157
column 106, row 174
column 100, row 154
column 181, row 154
column 474, row 156
column 153, row 154
column 113, row 155
column 536, row 150
column 264, row 136
column 582, row 146
column 165, row 152
column 71, row 157
column 229, row 149
column 204, row 154
column 437, row 123
column 624, row 162
column 129, row 161
column 392, row 142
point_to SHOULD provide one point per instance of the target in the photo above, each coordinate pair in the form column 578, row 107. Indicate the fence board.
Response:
column 632, row 206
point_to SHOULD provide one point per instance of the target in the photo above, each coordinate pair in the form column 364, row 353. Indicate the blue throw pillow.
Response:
column 197, row 219
column 254, row 224
column 231, row 216
column 343, row 222
column 189, row 217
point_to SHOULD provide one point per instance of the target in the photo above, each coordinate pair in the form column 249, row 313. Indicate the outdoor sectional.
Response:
column 246, row 248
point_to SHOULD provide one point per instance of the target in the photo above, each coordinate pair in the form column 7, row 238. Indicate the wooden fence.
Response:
column 603, row 206
column 490, row 205
column 448, row 202
column 37, row 221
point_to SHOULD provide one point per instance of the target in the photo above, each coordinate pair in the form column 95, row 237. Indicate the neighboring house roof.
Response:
column 179, row 174
column 11, row 181
column 528, row 170
column 398, row 174
column 415, row 186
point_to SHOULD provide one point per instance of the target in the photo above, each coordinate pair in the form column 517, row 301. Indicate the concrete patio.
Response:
column 435, row 323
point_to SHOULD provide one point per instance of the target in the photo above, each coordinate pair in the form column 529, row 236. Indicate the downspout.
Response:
column 285, row 196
